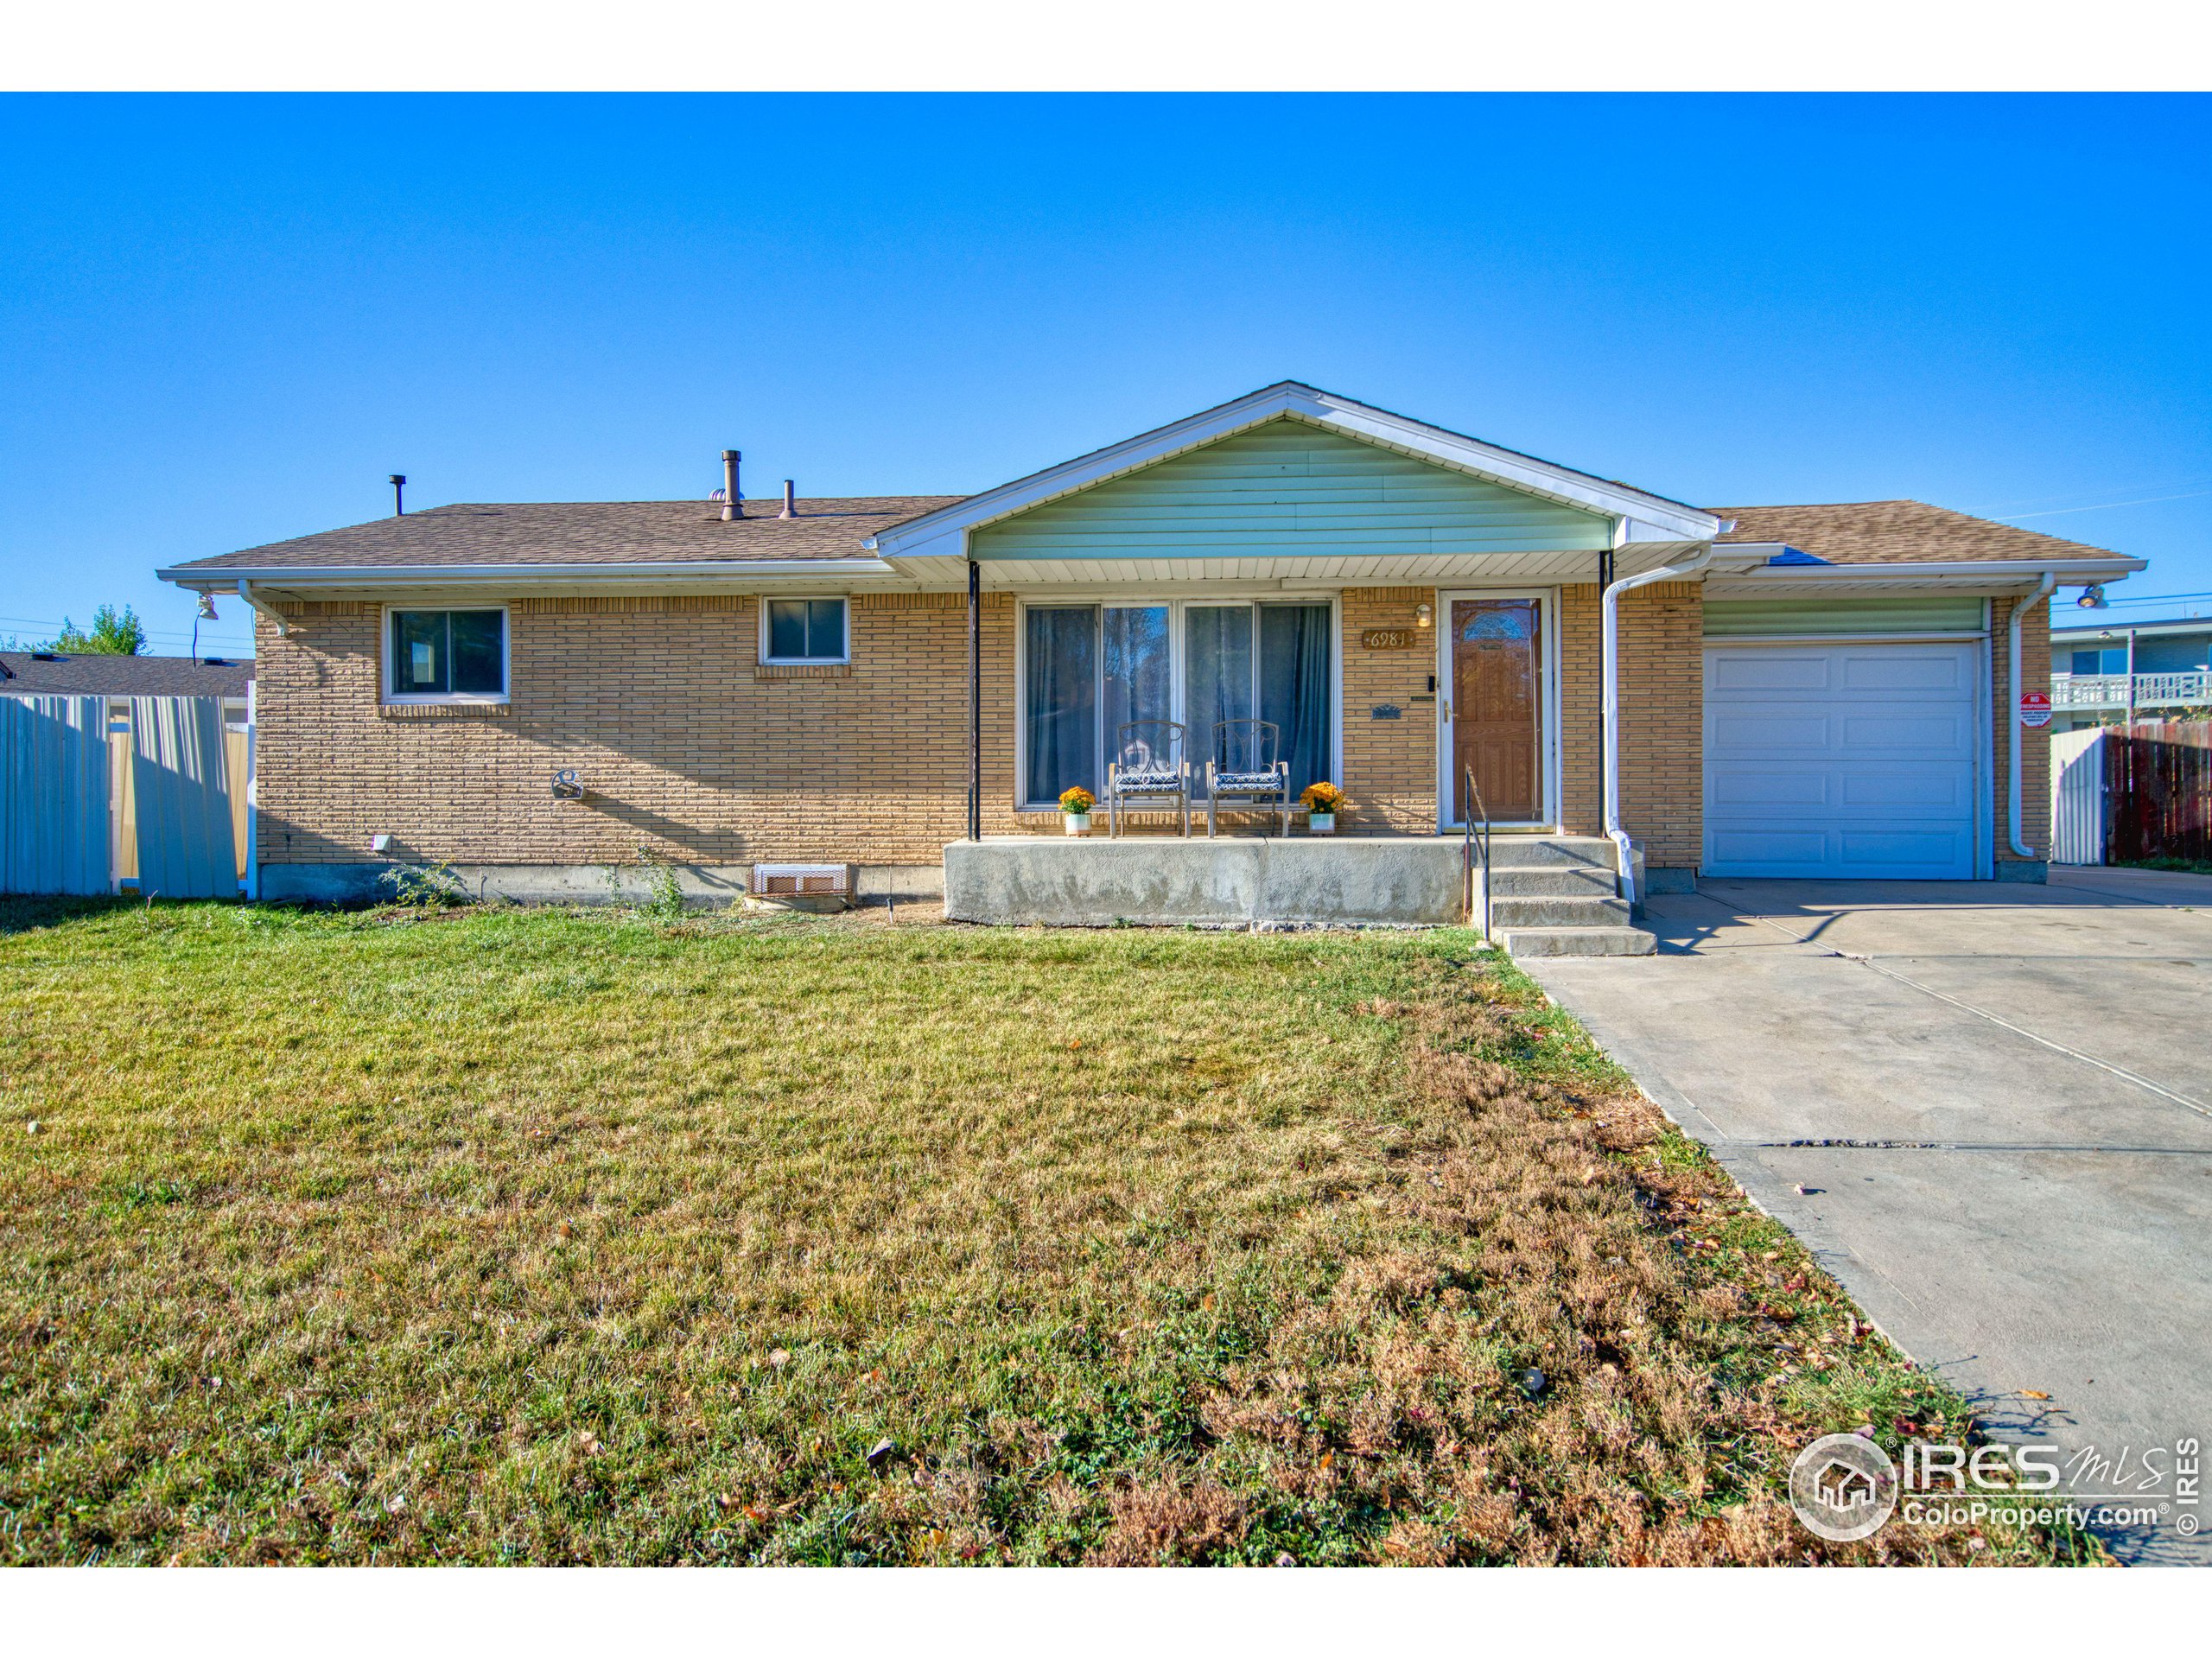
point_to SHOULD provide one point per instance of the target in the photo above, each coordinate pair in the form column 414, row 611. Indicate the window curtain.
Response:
column 1218, row 648
column 1139, row 684
column 1294, row 691
column 1062, row 650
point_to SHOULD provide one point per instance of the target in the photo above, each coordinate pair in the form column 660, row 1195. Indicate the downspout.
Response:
column 2020, row 848
column 974, row 704
column 262, row 607
column 1610, row 608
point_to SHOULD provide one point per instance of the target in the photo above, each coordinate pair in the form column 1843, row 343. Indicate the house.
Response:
column 1617, row 683
column 111, row 674
column 2106, row 672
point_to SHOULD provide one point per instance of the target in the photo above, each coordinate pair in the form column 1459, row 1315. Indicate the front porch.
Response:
column 1542, row 895
column 1157, row 879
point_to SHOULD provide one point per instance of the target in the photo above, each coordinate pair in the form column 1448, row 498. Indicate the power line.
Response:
column 2101, row 506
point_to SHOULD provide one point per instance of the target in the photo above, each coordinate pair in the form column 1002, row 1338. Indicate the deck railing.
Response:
column 2187, row 689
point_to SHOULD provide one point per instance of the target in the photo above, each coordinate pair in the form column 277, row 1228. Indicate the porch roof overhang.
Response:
column 1293, row 570
column 1638, row 516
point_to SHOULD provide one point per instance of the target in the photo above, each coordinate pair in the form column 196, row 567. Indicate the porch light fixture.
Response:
column 2093, row 597
column 1424, row 615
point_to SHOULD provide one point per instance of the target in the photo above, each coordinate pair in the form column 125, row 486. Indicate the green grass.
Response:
column 492, row 1236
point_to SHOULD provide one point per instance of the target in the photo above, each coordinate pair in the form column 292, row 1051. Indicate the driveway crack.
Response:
column 2056, row 1047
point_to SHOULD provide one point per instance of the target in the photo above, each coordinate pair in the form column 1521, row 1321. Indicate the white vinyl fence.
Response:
column 100, row 794
column 54, row 795
column 2077, row 797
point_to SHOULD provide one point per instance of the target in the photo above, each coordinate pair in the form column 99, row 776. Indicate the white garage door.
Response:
column 1841, row 760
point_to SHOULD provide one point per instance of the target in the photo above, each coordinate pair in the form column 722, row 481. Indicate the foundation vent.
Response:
column 822, row 886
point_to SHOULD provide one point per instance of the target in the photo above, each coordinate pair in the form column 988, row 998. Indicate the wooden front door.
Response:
column 1497, row 707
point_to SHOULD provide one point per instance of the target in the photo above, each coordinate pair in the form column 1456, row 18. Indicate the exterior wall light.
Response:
column 1424, row 615
column 2093, row 597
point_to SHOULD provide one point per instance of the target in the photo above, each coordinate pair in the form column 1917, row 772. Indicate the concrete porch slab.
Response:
column 1056, row 882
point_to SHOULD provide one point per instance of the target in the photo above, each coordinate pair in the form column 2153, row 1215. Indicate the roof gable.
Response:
column 1293, row 487
column 1641, row 517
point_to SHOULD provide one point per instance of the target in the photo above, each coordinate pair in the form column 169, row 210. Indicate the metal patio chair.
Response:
column 1148, row 769
column 1247, row 766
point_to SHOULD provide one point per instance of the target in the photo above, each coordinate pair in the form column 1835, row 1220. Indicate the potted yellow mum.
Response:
column 1321, row 802
column 1075, row 810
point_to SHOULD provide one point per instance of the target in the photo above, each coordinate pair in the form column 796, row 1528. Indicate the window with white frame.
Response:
column 803, row 630
column 446, row 655
column 1088, row 669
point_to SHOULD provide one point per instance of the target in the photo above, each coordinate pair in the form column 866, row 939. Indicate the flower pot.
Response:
column 1321, row 823
column 1078, row 823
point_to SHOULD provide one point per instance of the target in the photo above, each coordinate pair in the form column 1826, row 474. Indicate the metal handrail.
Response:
column 1467, row 854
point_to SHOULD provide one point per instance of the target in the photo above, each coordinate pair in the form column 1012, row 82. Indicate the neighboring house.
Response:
column 110, row 674
column 1819, row 690
column 2105, row 671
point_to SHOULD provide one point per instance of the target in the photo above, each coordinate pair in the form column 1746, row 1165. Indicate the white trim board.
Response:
column 1548, row 757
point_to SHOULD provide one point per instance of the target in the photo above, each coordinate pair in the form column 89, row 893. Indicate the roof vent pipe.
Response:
column 732, row 502
column 398, row 495
column 791, row 502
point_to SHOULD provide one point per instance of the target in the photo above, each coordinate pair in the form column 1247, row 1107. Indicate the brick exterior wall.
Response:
column 2035, row 745
column 1662, row 721
column 688, row 747
column 1663, row 718
column 1389, row 765
column 691, row 749
column 1581, row 712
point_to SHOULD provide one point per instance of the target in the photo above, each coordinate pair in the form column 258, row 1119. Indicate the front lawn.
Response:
column 504, row 1236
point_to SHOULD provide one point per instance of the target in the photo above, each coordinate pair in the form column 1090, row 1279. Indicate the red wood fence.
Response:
column 2158, row 784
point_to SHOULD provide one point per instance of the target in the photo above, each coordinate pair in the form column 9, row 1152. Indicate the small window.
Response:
column 460, row 655
column 806, row 631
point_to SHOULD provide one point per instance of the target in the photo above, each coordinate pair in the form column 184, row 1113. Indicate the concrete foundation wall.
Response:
column 1097, row 883
column 572, row 884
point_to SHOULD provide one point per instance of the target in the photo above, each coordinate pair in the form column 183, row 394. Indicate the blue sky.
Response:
column 224, row 320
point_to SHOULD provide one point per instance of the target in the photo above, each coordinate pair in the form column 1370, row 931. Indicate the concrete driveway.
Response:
column 1989, row 1108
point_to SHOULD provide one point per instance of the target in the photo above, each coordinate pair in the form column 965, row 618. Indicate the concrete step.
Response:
column 1579, row 910
column 1554, row 882
column 1550, row 852
column 1577, row 942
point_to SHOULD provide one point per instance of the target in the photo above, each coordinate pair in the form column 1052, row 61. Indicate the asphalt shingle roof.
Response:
column 95, row 674
column 679, row 533
column 1895, row 532
column 591, row 532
